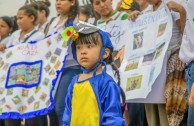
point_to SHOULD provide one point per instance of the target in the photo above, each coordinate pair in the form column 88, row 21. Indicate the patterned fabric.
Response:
column 176, row 90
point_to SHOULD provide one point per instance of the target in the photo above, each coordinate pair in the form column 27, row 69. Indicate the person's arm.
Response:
column 191, row 98
column 181, row 10
column 111, row 106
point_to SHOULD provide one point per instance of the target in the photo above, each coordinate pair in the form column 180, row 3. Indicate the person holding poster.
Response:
column 172, row 73
column 68, row 12
column 186, row 55
column 26, row 18
column 93, row 97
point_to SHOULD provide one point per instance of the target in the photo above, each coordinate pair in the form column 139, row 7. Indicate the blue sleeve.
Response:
column 111, row 106
column 67, row 112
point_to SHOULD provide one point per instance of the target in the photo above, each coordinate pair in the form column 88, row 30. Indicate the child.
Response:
column 93, row 97
column 26, row 18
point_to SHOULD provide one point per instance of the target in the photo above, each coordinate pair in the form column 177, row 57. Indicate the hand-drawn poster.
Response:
column 28, row 75
column 146, row 44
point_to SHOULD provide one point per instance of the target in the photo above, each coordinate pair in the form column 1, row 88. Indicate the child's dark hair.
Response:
column 30, row 11
column 10, row 22
column 96, row 38
column 73, row 12
column 42, row 5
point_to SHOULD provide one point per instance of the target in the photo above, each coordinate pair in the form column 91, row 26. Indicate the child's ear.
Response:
column 106, row 53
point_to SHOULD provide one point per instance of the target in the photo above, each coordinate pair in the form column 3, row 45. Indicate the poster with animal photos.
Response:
column 28, row 71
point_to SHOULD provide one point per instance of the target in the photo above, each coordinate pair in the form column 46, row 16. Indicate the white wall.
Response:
column 10, row 7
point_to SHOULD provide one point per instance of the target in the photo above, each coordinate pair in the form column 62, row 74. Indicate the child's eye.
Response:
column 90, row 46
column 78, row 47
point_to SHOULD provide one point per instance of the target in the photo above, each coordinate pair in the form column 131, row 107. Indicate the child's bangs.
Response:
column 94, row 38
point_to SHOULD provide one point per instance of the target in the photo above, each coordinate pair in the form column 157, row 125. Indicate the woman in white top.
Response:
column 67, row 14
column 171, row 74
column 26, row 18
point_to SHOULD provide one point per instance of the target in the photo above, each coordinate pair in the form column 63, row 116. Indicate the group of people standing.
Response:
column 33, row 25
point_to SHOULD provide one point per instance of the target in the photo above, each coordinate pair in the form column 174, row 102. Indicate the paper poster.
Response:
column 28, row 75
column 146, row 44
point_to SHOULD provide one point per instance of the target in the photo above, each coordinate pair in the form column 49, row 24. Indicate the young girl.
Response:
column 6, row 28
column 26, row 18
column 93, row 97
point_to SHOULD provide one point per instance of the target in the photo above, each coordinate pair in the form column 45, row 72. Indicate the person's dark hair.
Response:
column 11, row 22
column 73, row 12
column 96, row 38
column 30, row 11
column 42, row 5
column 8, row 20
column 86, row 10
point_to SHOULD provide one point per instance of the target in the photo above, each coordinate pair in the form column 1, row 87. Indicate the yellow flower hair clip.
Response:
column 126, row 4
column 75, row 35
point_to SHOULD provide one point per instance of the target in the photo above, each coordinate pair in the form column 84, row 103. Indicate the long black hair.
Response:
column 73, row 13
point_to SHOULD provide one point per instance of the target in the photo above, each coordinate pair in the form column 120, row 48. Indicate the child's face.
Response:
column 88, row 54
column 4, row 29
column 63, row 6
column 103, row 7
column 24, row 21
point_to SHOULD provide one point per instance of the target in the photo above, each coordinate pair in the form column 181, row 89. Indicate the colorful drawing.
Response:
column 159, row 50
column 134, row 83
column 36, row 89
column 9, row 54
column 48, row 54
column 36, row 105
column 53, row 59
column 161, row 29
column 31, row 99
column 22, row 109
column 138, row 40
column 56, row 66
column 132, row 64
column 16, row 99
column 43, row 96
column 147, row 59
column 46, row 81
column 10, row 91
column 58, row 51
column 25, row 92
column 24, row 74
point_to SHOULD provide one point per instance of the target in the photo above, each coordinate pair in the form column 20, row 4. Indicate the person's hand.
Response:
column 120, row 54
column 133, row 16
column 175, row 6
column 2, row 47
column 191, row 98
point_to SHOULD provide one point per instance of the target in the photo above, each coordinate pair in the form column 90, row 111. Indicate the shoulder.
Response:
column 108, row 82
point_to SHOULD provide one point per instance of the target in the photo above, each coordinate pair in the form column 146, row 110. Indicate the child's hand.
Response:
column 191, row 98
column 133, row 16
column 175, row 6
column 2, row 47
